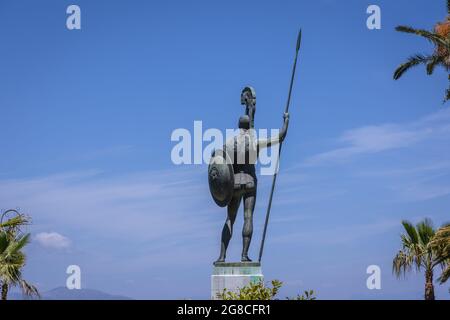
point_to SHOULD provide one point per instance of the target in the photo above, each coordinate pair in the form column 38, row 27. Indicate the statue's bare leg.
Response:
column 227, row 230
column 247, row 231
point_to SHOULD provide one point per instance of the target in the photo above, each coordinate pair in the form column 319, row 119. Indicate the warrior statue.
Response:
column 232, row 177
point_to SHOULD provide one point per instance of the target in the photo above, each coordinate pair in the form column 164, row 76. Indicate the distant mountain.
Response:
column 62, row 293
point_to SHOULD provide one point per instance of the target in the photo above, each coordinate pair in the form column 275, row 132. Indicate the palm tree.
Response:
column 12, row 260
column 418, row 250
column 440, row 38
column 441, row 243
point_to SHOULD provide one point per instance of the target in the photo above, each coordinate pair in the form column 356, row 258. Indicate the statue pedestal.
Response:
column 234, row 275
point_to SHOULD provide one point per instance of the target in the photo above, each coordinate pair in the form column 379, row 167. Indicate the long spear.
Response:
column 299, row 38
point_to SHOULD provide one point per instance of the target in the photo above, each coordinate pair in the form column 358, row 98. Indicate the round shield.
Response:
column 221, row 177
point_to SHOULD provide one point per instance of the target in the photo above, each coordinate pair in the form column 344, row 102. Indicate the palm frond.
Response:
column 3, row 241
column 435, row 61
column 15, row 246
column 425, row 231
column 445, row 275
column 29, row 289
column 441, row 246
column 402, row 263
column 411, row 232
column 411, row 62
column 442, row 237
column 10, row 273
column 16, row 221
column 433, row 37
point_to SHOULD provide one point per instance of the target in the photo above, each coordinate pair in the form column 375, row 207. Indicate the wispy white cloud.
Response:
column 110, row 151
column 422, row 185
column 416, row 168
column 143, row 206
column 429, row 168
column 383, row 137
column 53, row 240
column 153, row 218
column 339, row 234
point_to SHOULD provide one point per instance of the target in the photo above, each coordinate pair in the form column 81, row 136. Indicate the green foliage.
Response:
column 307, row 295
column 441, row 244
column 414, row 61
column 12, row 258
column 440, row 39
column 15, row 222
column 416, row 249
column 258, row 291
column 253, row 291
column 424, row 249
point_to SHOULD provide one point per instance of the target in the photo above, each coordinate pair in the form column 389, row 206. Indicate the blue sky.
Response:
column 87, row 117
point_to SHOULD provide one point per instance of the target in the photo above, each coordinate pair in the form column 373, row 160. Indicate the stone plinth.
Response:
column 234, row 275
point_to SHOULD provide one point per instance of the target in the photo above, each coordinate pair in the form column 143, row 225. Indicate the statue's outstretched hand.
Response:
column 285, row 126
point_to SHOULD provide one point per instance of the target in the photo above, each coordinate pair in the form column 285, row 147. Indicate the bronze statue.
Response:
column 232, row 176
column 231, row 172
